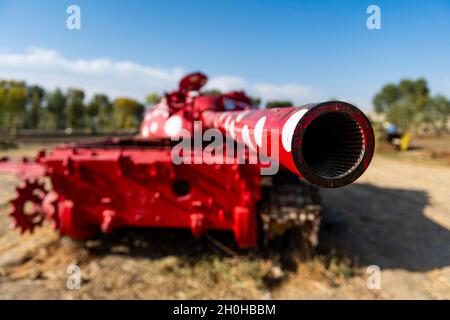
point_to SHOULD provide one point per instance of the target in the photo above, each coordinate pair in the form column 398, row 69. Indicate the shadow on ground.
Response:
column 388, row 227
column 154, row 243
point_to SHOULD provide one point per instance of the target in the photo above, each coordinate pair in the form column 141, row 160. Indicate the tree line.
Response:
column 410, row 106
column 25, row 106
column 407, row 104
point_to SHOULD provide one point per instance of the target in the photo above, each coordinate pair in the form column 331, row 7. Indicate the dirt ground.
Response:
column 396, row 216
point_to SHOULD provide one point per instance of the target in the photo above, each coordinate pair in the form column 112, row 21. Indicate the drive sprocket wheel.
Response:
column 26, row 208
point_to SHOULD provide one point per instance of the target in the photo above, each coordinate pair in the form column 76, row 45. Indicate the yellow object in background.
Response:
column 405, row 140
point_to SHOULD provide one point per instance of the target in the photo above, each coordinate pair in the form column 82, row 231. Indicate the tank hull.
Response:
column 108, row 185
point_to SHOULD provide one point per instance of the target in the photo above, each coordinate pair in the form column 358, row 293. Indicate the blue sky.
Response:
column 303, row 50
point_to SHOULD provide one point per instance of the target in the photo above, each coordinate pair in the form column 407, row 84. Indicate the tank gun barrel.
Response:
column 329, row 144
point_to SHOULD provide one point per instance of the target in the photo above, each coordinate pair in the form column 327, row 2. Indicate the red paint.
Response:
column 101, row 186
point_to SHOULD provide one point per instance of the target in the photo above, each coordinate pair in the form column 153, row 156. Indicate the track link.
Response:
column 291, row 207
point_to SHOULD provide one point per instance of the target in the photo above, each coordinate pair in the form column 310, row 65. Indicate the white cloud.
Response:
column 125, row 78
column 227, row 83
column 50, row 69
column 300, row 94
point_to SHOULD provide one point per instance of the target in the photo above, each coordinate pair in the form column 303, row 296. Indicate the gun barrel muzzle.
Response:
column 329, row 144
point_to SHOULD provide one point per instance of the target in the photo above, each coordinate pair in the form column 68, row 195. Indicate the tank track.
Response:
column 291, row 208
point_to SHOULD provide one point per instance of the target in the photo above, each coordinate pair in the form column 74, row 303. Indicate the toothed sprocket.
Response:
column 26, row 208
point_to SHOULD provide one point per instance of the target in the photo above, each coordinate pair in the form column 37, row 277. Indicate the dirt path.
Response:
column 397, row 216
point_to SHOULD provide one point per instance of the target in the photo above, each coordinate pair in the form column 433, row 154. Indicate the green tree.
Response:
column 127, row 113
column 75, row 110
column 278, row 104
column 152, row 98
column 34, row 113
column 106, row 114
column 99, row 111
column 256, row 101
column 403, row 103
column 2, row 104
column 56, row 103
column 437, row 113
column 15, row 97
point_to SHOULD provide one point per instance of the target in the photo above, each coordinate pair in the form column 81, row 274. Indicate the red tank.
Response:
column 200, row 162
